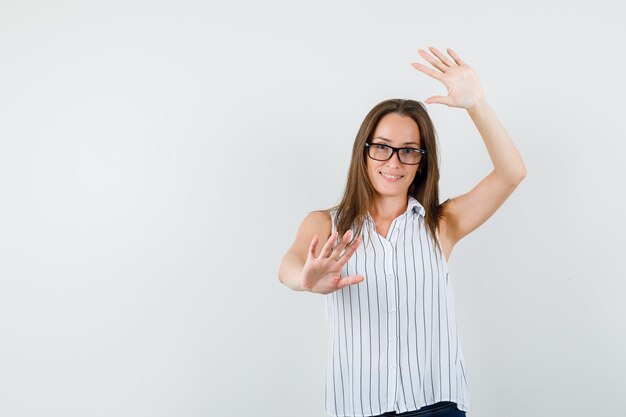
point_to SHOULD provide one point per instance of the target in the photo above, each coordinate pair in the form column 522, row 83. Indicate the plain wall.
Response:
column 157, row 158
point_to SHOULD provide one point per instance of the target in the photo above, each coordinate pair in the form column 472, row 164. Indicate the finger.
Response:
column 440, row 100
column 433, row 61
column 328, row 246
column 313, row 246
column 350, row 280
column 455, row 57
column 340, row 247
column 428, row 71
column 441, row 56
column 345, row 257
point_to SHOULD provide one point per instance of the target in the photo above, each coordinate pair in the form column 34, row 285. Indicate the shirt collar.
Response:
column 413, row 206
column 416, row 206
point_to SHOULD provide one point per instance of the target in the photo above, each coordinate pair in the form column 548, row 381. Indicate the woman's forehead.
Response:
column 397, row 129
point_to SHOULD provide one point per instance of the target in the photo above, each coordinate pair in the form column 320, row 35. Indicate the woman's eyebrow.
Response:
column 387, row 140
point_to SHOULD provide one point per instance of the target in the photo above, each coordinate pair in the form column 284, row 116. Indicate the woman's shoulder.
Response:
column 317, row 222
column 320, row 218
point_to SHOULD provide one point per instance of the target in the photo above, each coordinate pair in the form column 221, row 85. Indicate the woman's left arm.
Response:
column 466, row 212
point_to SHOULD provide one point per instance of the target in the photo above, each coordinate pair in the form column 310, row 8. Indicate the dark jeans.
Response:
column 440, row 409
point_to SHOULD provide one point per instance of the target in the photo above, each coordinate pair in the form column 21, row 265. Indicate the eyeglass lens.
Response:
column 383, row 153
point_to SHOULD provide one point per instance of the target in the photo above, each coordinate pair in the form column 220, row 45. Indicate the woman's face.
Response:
column 392, row 178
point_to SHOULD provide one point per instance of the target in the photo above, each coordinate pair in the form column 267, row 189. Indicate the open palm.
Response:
column 322, row 274
column 464, row 89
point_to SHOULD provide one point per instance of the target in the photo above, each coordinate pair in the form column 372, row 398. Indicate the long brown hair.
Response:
column 359, row 193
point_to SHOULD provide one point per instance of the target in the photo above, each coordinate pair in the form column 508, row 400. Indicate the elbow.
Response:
column 521, row 175
column 280, row 274
column 515, row 177
column 518, row 177
column 512, row 178
column 283, row 275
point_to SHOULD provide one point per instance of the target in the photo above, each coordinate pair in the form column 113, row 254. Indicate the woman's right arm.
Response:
column 290, row 271
column 307, row 267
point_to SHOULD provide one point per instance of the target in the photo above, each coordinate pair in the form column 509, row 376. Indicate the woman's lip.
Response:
column 388, row 179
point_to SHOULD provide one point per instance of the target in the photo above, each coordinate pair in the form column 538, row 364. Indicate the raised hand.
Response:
column 321, row 274
column 464, row 89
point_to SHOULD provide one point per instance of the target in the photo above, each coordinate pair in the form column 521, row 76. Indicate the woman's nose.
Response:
column 395, row 155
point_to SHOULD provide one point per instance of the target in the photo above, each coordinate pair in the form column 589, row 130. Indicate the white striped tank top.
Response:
column 394, row 345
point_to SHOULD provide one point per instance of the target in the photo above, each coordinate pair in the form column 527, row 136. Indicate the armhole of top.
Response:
column 442, row 254
column 332, row 220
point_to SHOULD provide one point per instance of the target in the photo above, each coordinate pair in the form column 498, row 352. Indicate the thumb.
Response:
column 438, row 99
column 350, row 280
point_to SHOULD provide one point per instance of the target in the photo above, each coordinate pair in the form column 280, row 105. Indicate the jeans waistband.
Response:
column 442, row 405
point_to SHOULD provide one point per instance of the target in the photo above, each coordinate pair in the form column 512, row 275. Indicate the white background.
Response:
column 157, row 158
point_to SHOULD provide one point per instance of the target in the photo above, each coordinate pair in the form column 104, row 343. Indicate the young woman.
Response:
column 394, row 348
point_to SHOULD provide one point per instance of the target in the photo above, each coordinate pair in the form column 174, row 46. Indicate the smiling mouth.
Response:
column 391, row 177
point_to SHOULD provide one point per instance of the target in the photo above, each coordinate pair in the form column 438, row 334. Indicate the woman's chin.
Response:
column 392, row 191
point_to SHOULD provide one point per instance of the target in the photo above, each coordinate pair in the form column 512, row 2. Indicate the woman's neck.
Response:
column 388, row 208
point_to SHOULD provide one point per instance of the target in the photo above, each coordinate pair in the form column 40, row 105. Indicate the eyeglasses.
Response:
column 381, row 152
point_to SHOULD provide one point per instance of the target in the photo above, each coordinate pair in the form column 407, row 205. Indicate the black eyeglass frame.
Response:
column 394, row 150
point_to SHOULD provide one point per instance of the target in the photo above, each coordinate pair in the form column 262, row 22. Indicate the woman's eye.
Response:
column 380, row 147
column 408, row 151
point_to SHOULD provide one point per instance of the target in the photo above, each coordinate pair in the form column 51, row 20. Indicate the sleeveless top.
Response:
column 393, row 342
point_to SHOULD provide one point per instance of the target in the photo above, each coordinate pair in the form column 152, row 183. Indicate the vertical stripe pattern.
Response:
column 393, row 342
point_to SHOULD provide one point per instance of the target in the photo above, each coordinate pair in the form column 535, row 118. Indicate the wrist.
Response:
column 478, row 106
